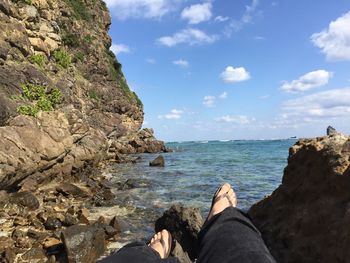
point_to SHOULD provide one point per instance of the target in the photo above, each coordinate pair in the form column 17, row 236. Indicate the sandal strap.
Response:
column 225, row 195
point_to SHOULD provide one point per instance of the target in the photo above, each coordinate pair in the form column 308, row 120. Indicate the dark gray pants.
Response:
column 227, row 238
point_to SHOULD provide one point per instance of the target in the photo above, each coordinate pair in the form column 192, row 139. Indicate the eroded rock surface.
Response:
column 63, row 46
column 307, row 218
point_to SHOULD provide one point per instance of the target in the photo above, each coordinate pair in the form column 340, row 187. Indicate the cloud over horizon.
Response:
column 311, row 80
column 330, row 103
column 173, row 115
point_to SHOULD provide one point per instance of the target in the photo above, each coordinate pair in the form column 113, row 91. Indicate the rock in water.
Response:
column 307, row 218
column 83, row 243
column 159, row 161
column 331, row 131
column 184, row 224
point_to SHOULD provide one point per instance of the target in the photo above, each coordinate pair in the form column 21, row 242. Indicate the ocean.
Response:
column 191, row 175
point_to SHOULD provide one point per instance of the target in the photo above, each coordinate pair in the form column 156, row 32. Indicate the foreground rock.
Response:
column 307, row 218
column 83, row 243
column 159, row 162
column 184, row 224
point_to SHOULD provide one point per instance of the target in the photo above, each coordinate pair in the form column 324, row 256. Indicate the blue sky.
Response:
column 242, row 69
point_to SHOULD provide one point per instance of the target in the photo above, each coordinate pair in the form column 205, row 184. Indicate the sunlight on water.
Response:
column 194, row 171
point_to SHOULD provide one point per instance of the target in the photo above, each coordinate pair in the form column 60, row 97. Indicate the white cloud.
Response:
column 151, row 61
column 335, row 40
column 209, row 101
column 223, row 95
column 259, row 38
column 124, row 9
column 221, row 18
column 330, row 103
column 119, row 48
column 232, row 75
column 198, row 13
column 173, row 115
column 246, row 18
column 308, row 81
column 264, row 97
column 181, row 63
column 240, row 119
column 189, row 36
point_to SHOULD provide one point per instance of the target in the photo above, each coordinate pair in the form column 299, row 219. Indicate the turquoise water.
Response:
column 194, row 171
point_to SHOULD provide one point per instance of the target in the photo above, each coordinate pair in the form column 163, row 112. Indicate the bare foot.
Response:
column 161, row 242
column 224, row 198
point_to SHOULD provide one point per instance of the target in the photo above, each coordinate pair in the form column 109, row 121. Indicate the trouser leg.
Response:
column 137, row 252
column 231, row 237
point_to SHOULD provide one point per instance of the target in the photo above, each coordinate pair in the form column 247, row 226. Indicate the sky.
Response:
column 238, row 69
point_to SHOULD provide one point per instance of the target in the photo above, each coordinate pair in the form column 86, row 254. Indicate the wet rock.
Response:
column 159, row 161
column 52, row 223
column 26, row 199
column 128, row 184
column 331, row 131
column 184, row 224
column 71, row 189
column 306, row 219
column 83, row 243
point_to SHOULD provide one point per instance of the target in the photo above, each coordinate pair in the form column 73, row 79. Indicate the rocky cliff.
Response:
column 307, row 218
column 64, row 102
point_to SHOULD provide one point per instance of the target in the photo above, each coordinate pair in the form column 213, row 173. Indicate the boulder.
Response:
column 159, row 161
column 69, row 189
column 26, row 199
column 184, row 225
column 306, row 219
column 52, row 223
column 83, row 243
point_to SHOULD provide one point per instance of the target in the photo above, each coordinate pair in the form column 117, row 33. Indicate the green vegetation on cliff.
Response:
column 62, row 58
column 39, row 98
column 117, row 74
column 79, row 9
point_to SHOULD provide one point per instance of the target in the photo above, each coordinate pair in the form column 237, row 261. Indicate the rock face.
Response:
column 184, row 224
column 307, row 218
column 86, row 112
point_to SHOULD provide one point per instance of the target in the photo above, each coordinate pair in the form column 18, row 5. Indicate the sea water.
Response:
column 191, row 175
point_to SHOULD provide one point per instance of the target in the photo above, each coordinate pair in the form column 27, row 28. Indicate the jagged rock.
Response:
column 331, row 131
column 52, row 223
column 71, row 189
column 159, row 161
column 83, row 243
column 128, row 184
column 70, row 220
column 184, row 224
column 26, row 199
column 306, row 219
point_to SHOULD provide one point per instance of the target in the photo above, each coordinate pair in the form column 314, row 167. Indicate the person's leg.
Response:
column 228, row 235
column 157, row 250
